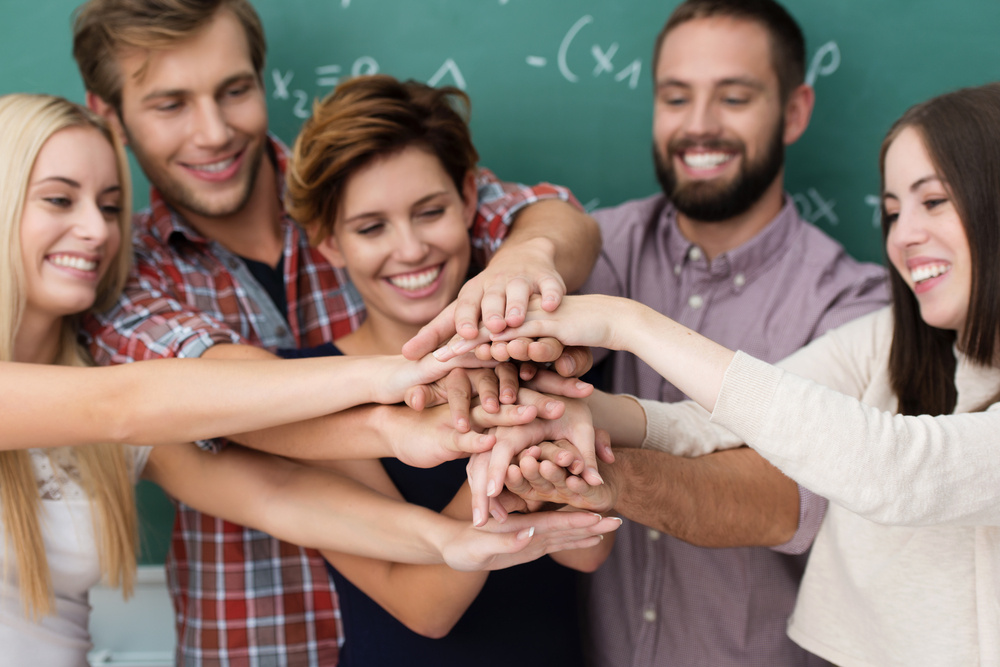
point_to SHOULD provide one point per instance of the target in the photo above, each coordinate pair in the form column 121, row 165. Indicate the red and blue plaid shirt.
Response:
column 242, row 597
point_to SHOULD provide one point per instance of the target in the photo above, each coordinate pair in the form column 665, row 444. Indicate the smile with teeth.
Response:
column 214, row 167
column 416, row 281
column 74, row 262
column 927, row 271
column 706, row 160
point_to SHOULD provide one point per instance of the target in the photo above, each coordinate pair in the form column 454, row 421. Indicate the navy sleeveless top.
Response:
column 525, row 616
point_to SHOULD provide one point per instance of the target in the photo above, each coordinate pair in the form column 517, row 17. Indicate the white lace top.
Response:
column 61, row 639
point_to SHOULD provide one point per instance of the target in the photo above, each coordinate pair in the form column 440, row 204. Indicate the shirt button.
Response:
column 696, row 301
column 694, row 254
column 649, row 614
column 281, row 332
column 739, row 280
column 233, row 263
column 654, row 534
column 677, row 270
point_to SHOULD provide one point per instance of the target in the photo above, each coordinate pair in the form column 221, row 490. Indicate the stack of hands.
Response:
column 518, row 407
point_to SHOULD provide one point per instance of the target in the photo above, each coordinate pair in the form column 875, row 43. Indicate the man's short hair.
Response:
column 788, row 46
column 102, row 29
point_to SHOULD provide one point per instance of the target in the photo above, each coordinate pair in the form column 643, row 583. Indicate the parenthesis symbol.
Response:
column 564, row 47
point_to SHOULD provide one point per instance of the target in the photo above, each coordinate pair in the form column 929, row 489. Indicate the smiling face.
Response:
column 927, row 243
column 718, row 126
column 70, row 226
column 196, row 119
column 402, row 234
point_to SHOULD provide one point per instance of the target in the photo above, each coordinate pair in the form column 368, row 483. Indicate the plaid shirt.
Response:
column 242, row 597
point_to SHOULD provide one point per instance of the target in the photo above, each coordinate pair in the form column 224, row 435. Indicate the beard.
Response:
column 712, row 201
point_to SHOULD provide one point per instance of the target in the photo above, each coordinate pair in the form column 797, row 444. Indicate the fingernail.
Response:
column 462, row 425
column 496, row 318
column 593, row 471
column 521, row 409
column 491, row 488
column 508, row 396
column 514, row 312
column 618, row 519
column 526, row 534
column 440, row 352
column 551, row 406
column 597, row 515
column 549, row 298
column 570, row 366
column 483, row 439
column 582, row 385
column 477, row 517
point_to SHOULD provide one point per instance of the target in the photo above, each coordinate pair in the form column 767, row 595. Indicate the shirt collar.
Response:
column 761, row 250
column 165, row 222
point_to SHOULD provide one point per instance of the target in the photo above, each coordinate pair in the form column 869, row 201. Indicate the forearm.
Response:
column 728, row 499
column 554, row 228
column 427, row 599
column 156, row 402
column 308, row 506
column 355, row 433
column 621, row 416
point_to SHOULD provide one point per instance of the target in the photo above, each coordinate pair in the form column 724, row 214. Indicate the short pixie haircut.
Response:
column 366, row 118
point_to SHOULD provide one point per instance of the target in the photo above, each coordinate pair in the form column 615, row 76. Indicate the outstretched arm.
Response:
column 319, row 508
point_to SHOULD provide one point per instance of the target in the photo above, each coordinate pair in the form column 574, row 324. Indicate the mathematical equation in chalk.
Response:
column 326, row 77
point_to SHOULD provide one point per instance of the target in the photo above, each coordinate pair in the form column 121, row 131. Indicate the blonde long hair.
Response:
column 26, row 123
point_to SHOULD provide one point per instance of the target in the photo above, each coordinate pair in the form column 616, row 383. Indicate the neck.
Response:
column 37, row 339
column 254, row 231
column 377, row 335
column 716, row 238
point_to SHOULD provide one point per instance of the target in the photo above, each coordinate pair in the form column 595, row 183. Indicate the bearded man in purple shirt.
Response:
column 706, row 570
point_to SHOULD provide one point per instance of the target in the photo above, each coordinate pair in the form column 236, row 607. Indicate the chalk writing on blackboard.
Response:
column 449, row 67
column 824, row 63
column 814, row 207
column 876, row 203
column 603, row 58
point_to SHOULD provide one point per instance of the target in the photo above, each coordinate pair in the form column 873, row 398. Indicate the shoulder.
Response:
column 620, row 221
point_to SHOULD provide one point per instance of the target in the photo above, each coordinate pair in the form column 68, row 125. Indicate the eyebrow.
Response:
column 178, row 92
column 916, row 185
column 746, row 81
column 375, row 214
column 73, row 184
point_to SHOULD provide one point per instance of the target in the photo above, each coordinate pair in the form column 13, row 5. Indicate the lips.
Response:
column 711, row 160
column 220, row 170
column 417, row 280
column 925, row 272
column 74, row 262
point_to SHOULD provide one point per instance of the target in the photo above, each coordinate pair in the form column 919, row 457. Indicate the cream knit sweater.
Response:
column 906, row 567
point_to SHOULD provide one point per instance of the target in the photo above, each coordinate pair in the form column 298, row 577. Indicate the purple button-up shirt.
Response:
column 658, row 600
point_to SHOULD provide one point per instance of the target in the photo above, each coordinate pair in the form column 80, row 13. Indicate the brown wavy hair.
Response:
column 365, row 118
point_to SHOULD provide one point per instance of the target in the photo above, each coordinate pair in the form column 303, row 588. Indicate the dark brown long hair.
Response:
column 365, row 118
column 959, row 131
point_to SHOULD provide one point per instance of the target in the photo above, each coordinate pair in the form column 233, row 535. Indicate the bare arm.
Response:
column 729, row 499
column 319, row 508
column 427, row 599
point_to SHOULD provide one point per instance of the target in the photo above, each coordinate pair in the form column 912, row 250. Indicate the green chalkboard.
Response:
column 561, row 88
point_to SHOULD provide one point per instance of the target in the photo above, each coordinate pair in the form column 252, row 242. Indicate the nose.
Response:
column 93, row 225
column 908, row 229
column 211, row 128
column 702, row 119
column 411, row 247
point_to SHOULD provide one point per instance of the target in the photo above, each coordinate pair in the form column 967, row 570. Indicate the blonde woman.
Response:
column 68, row 514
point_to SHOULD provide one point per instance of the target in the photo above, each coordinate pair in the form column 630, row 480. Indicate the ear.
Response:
column 330, row 249
column 108, row 113
column 470, row 197
column 798, row 111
